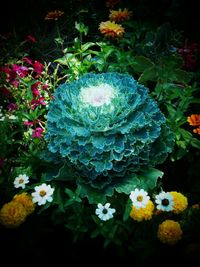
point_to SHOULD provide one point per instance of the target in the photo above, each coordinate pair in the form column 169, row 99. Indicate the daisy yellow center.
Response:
column 140, row 198
column 21, row 180
column 42, row 193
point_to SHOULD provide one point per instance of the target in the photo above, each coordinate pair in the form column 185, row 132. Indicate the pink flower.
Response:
column 21, row 71
column 37, row 133
column 28, row 123
column 31, row 39
column 27, row 60
column 37, row 102
column 12, row 106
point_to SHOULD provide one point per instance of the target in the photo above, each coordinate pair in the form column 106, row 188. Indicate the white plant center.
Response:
column 97, row 96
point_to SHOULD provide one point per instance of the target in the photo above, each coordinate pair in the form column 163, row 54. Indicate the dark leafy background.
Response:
column 40, row 242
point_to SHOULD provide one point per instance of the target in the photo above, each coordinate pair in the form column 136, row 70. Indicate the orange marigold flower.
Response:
column 26, row 201
column 169, row 232
column 112, row 3
column 180, row 202
column 120, row 15
column 54, row 15
column 194, row 119
column 12, row 214
column 111, row 29
column 142, row 213
column 197, row 130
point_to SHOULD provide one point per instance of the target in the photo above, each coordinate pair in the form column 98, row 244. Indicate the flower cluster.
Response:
column 194, row 120
column 143, row 209
column 54, row 15
column 111, row 28
column 15, row 212
column 26, row 87
column 43, row 193
column 120, row 15
column 169, row 231
column 165, row 201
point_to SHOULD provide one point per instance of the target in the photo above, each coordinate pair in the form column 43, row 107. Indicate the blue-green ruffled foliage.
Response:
column 106, row 142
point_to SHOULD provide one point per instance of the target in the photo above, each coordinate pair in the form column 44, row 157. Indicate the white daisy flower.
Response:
column 21, row 180
column 42, row 194
column 104, row 212
column 164, row 201
column 139, row 198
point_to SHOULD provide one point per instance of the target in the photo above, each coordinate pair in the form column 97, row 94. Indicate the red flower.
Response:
column 38, row 67
column 37, row 102
column 34, row 88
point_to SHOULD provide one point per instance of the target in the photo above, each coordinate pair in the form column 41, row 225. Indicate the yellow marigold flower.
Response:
column 26, row 201
column 112, row 3
column 120, row 15
column 142, row 213
column 54, row 15
column 194, row 119
column 111, row 29
column 180, row 202
column 12, row 214
column 197, row 130
column 169, row 232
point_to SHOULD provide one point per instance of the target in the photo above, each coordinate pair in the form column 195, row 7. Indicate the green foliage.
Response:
column 91, row 153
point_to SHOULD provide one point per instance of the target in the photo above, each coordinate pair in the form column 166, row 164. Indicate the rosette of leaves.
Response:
column 108, row 128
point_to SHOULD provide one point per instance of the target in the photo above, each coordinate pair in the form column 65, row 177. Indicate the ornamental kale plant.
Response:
column 107, row 127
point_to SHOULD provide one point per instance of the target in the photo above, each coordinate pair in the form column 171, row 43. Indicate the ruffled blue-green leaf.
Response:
column 107, row 127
